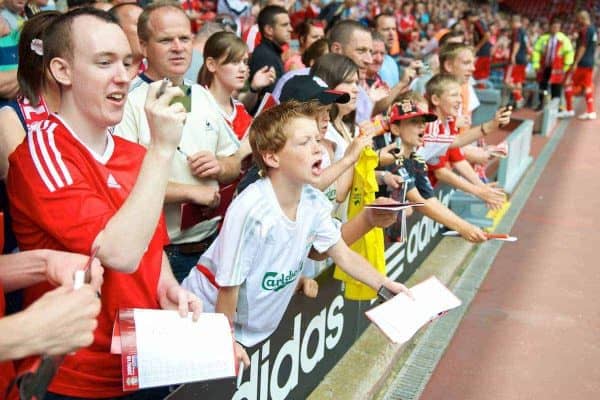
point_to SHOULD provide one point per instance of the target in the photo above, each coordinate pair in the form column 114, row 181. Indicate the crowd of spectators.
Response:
column 202, row 154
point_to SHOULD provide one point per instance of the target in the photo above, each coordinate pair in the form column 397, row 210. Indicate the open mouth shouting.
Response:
column 316, row 167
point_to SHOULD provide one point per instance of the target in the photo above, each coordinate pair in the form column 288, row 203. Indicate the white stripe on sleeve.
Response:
column 36, row 160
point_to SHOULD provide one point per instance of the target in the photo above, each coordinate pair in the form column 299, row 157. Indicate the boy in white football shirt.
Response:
column 250, row 272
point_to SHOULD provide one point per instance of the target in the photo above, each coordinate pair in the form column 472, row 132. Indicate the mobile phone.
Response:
column 186, row 99
column 511, row 105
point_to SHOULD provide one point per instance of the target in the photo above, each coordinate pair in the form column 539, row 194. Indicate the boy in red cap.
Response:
column 407, row 122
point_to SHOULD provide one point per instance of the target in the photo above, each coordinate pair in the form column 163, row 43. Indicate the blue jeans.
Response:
column 181, row 264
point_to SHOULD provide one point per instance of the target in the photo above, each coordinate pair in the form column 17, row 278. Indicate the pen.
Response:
column 33, row 384
column 163, row 87
column 183, row 153
column 80, row 275
column 240, row 374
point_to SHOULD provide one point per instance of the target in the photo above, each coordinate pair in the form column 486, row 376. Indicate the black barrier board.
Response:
column 314, row 334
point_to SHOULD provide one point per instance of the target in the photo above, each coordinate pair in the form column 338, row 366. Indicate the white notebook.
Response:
column 159, row 347
column 401, row 317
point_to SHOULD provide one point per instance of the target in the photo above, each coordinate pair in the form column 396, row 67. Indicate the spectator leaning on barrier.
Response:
column 250, row 272
column 443, row 93
column 456, row 59
column 97, row 191
column 206, row 153
column 408, row 120
column 552, row 57
column 581, row 80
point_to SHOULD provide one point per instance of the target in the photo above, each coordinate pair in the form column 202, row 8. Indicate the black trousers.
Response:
column 555, row 88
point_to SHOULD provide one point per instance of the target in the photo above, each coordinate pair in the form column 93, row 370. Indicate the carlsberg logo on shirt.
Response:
column 276, row 281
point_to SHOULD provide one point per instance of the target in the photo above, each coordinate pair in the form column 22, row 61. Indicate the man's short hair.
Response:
column 377, row 37
column 270, row 130
column 343, row 31
column 267, row 15
column 450, row 51
column 556, row 19
column 143, row 25
column 382, row 15
column 58, row 38
column 72, row 4
column 115, row 11
column 438, row 84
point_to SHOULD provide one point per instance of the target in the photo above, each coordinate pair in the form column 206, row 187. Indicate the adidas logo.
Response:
column 111, row 182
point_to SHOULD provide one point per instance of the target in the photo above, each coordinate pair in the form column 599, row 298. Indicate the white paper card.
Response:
column 172, row 350
column 401, row 317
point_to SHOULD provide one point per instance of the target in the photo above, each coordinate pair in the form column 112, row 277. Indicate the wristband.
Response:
column 385, row 294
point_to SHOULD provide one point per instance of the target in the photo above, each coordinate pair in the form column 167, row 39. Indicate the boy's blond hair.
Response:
column 450, row 51
column 438, row 84
column 270, row 130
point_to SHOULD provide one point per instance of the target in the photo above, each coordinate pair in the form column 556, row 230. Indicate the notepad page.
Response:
column 172, row 349
column 401, row 317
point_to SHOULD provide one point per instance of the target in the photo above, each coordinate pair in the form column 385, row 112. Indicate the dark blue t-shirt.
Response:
column 520, row 36
column 588, row 37
column 478, row 33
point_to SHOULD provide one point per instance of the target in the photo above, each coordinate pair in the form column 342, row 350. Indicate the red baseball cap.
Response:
column 408, row 109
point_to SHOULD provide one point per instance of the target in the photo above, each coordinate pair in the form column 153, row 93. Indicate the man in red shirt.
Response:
column 74, row 186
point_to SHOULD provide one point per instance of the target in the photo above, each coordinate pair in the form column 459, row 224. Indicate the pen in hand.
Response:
column 240, row 374
column 183, row 153
column 83, row 276
column 163, row 87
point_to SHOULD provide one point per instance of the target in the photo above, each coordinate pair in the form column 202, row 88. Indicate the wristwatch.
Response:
column 385, row 294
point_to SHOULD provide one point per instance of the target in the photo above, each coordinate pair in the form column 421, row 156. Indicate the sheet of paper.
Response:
column 172, row 350
column 393, row 207
column 401, row 317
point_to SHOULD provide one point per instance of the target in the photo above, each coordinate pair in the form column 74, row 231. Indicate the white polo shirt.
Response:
column 203, row 130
